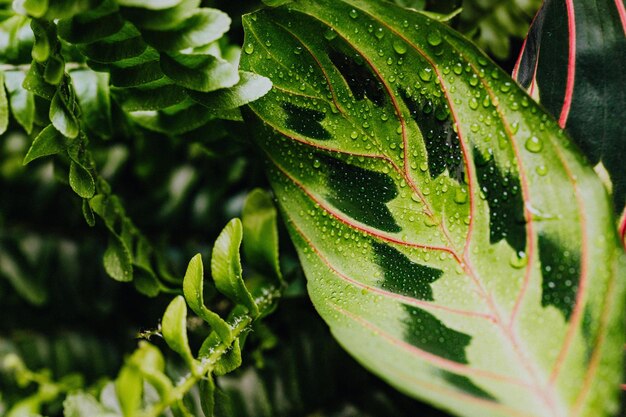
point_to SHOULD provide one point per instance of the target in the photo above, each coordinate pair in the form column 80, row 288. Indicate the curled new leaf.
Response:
column 452, row 238
column 193, row 287
column 174, row 329
column 226, row 267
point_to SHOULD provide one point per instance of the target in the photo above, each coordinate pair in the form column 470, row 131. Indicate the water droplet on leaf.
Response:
column 434, row 38
column 426, row 74
column 534, row 144
column 399, row 46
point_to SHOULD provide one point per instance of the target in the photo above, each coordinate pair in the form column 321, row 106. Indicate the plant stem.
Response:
column 265, row 302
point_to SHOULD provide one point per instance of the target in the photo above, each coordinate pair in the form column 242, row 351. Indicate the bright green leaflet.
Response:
column 454, row 241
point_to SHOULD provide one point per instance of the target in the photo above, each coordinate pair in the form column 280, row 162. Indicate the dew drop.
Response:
column 542, row 170
column 249, row 49
column 399, row 47
column 426, row 74
column 434, row 38
column 460, row 196
column 354, row 14
column 330, row 34
column 518, row 260
column 534, row 144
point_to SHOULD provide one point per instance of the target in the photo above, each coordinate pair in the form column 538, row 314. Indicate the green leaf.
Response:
column 276, row 3
column 226, row 267
column 92, row 26
column 84, row 405
column 81, row 181
column 199, row 72
column 193, row 288
column 121, row 46
column 117, row 259
column 174, row 328
column 227, row 362
column 4, row 106
column 129, row 389
column 144, row 99
column 150, row 362
column 35, row 8
column 48, row 142
column 207, row 396
column 163, row 19
column 448, row 229
column 45, row 39
column 249, row 88
column 578, row 75
column 62, row 116
column 35, row 83
column 21, row 101
column 150, row 4
column 88, row 213
column 175, row 120
column 260, row 243
column 205, row 26
column 92, row 91
column 55, row 69
column 63, row 9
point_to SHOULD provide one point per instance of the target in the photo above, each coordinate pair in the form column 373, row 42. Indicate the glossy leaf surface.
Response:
column 226, row 266
column 574, row 62
column 453, row 240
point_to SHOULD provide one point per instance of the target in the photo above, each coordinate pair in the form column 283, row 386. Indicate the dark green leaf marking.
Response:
column 305, row 121
column 426, row 332
column 506, row 205
column 561, row 272
column 360, row 193
column 466, row 385
column 358, row 76
column 441, row 141
column 403, row 276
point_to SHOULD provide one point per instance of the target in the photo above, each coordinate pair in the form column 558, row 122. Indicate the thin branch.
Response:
column 208, row 363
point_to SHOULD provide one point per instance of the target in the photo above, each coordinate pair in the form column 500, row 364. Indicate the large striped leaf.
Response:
column 574, row 62
column 453, row 240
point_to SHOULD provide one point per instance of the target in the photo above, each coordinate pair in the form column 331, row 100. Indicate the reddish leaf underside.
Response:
column 574, row 62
